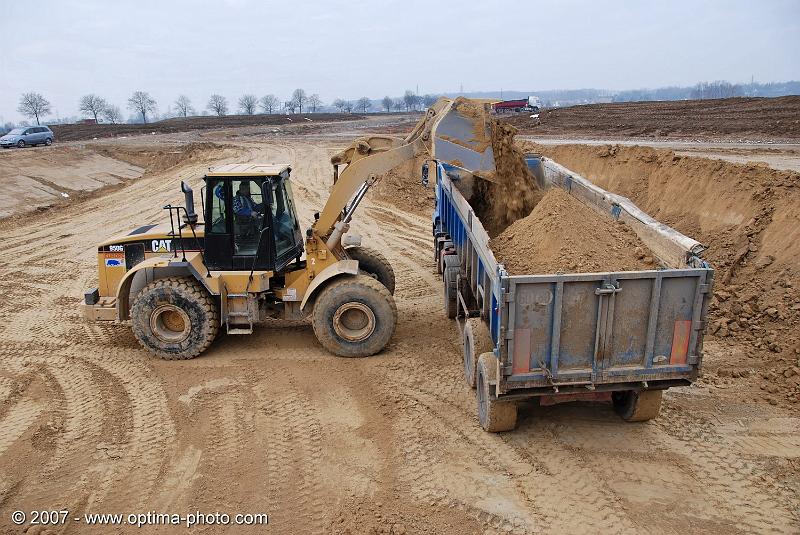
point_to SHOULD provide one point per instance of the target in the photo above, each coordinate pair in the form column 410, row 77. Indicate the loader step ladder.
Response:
column 238, row 322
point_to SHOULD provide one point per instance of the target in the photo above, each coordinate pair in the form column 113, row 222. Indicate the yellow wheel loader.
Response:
column 247, row 258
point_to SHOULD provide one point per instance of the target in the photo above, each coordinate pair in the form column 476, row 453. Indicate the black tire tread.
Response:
column 193, row 290
column 347, row 285
column 368, row 255
column 477, row 341
column 500, row 415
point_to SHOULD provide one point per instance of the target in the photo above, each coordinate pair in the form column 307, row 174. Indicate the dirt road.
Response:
column 272, row 423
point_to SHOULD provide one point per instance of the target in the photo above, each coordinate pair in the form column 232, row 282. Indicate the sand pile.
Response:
column 155, row 159
column 510, row 192
column 401, row 188
column 563, row 234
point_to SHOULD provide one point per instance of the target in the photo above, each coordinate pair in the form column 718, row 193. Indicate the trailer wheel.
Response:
column 450, row 278
column 175, row 318
column 637, row 406
column 477, row 341
column 354, row 316
column 374, row 264
column 443, row 254
column 495, row 416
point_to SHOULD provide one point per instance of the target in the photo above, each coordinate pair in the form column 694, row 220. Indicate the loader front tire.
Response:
column 175, row 318
column 354, row 316
column 374, row 264
column 637, row 406
column 495, row 416
column 477, row 341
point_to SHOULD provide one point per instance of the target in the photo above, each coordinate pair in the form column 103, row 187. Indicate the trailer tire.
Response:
column 354, row 316
column 374, row 264
column 175, row 318
column 637, row 406
column 443, row 254
column 477, row 341
column 494, row 416
column 450, row 279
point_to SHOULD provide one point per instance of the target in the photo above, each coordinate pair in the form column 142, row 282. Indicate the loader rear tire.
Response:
column 637, row 406
column 495, row 416
column 374, row 264
column 450, row 278
column 354, row 316
column 175, row 318
column 477, row 341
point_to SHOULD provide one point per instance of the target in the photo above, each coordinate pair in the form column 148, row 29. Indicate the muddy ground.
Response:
column 733, row 119
column 273, row 423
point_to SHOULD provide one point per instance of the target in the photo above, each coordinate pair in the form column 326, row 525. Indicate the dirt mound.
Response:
column 72, row 132
column 732, row 118
column 156, row 159
column 401, row 188
column 563, row 234
column 510, row 192
column 748, row 217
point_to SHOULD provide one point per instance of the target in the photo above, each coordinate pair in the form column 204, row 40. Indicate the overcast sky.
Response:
column 65, row 49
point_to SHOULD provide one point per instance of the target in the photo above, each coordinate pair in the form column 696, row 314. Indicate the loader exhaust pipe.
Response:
column 188, row 195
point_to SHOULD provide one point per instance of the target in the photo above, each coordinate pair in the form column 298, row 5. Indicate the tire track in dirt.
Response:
column 326, row 444
column 294, row 454
column 734, row 476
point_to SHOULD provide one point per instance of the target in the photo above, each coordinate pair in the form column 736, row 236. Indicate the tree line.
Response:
column 144, row 107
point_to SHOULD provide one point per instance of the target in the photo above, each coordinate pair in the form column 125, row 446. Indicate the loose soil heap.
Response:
column 155, row 159
column 563, row 234
column 510, row 192
column 401, row 187
column 748, row 217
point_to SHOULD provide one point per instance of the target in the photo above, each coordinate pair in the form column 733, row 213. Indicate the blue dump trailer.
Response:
column 619, row 337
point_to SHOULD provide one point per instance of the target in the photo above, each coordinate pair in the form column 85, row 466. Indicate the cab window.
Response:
column 284, row 219
column 218, row 215
column 248, row 215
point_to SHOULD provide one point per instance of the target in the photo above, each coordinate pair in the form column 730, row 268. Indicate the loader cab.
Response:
column 250, row 219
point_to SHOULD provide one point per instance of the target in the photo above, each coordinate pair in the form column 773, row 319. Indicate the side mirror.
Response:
column 425, row 174
column 188, row 196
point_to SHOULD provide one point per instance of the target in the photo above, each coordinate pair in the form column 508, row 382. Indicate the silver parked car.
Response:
column 29, row 135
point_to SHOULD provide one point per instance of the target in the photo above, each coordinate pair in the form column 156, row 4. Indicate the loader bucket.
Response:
column 462, row 137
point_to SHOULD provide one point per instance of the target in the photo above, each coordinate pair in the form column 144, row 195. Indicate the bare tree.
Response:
column 410, row 100
column 299, row 98
column 142, row 103
column 314, row 102
column 92, row 105
column 429, row 100
column 339, row 104
column 363, row 104
column 289, row 106
column 218, row 104
column 269, row 103
column 399, row 104
column 184, row 106
column 717, row 89
column 112, row 114
column 33, row 105
column 248, row 104
column 387, row 103
column 348, row 106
